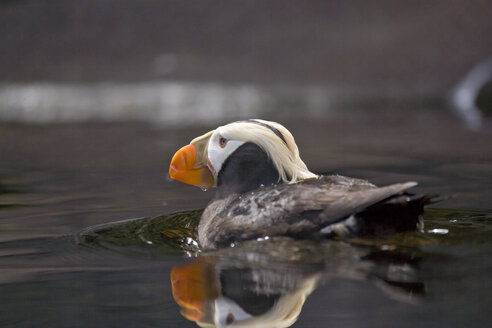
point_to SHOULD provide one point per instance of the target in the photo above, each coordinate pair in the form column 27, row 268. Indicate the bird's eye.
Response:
column 229, row 319
column 222, row 142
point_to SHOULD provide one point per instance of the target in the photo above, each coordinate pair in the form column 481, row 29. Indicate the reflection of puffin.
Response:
column 217, row 294
column 266, row 284
column 265, row 189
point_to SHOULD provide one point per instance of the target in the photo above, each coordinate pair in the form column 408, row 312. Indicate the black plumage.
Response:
column 322, row 207
column 246, row 169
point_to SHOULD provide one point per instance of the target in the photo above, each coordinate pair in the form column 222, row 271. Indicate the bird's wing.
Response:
column 297, row 209
column 287, row 203
column 357, row 201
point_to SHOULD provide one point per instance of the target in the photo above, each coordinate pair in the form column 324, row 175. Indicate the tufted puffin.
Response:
column 264, row 189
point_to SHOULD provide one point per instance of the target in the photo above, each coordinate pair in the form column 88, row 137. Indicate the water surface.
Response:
column 65, row 263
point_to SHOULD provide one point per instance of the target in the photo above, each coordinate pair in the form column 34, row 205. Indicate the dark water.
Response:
column 65, row 263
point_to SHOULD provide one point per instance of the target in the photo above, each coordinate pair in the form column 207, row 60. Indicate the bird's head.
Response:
column 241, row 155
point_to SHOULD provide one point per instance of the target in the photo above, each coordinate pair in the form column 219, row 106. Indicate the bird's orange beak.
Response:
column 189, row 164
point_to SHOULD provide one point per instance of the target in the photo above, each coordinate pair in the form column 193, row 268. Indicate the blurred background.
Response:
column 182, row 61
column 97, row 95
column 386, row 87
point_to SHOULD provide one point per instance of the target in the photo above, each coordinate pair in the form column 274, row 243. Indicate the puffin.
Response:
column 264, row 190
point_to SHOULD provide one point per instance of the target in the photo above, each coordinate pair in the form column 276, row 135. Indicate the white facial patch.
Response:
column 227, row 312
column 218, row 152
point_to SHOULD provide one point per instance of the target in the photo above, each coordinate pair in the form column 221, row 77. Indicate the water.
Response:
column 64, row 262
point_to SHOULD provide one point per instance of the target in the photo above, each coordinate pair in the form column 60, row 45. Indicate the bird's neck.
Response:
column 246, row 169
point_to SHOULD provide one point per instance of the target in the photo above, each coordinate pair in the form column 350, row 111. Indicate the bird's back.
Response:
column 311, row 208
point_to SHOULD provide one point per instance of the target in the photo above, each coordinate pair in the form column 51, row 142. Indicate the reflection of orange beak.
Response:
column 193, row 286
column 187, row 167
